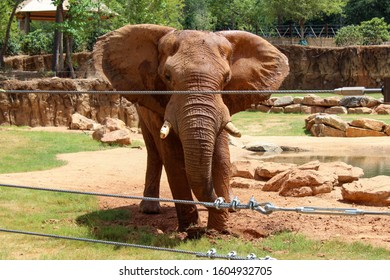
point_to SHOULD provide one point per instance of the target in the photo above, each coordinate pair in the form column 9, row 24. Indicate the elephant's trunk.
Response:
column 198, row 119
column 198, row 126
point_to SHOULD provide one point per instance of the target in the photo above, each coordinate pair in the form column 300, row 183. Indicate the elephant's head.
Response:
column 150, row 57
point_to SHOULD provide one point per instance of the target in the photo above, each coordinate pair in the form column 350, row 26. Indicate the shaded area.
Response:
column 127, row 224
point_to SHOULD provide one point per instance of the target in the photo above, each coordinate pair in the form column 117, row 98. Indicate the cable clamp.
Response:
column 211, row 253
column 232, row 254
column 218, row 202
column 234, row 203
column 251, row 256
column 252, row 204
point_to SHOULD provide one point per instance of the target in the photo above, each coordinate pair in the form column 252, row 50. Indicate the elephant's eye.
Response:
column 168, row 77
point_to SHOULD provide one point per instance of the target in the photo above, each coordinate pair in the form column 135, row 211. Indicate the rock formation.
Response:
column 323, row 125
column 288, row 179
column 311, row 104
column 44, row 109
column 368, row 191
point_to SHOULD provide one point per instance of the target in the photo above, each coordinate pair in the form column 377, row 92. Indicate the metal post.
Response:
column 386, row 90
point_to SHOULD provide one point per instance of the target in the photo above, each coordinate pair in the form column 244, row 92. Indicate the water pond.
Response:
column 372, row 165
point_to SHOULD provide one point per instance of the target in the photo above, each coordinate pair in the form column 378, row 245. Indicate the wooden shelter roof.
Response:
column 45, row 10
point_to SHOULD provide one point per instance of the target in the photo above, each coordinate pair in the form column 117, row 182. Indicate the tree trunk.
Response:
column 7, row 34
column 69, row 63
column 57, row 49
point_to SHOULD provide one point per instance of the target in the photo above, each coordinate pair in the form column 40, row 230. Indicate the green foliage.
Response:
column 357, row 11
column 301, row 10
column 348, row 36
column 197, row 15
column 371, row 32
column 36, row 42
column 14, row 46
column 375, row 31
column 164, row 12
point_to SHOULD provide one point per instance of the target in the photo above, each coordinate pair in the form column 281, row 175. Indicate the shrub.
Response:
column 349, row 35
column 374, row 31
column 37, row 42
column 13, row 47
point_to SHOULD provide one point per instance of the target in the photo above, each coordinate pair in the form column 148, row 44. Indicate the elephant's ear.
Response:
column 127, row 58
column 255, row 65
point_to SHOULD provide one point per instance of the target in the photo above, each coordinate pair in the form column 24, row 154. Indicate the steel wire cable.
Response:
column 210, row 254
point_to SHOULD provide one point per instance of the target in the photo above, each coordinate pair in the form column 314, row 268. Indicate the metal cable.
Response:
column 265, row 208
column 210, row 254
column 167, row 92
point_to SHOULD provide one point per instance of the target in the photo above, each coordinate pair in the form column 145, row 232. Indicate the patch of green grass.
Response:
column 23, row 150
column 268, row 124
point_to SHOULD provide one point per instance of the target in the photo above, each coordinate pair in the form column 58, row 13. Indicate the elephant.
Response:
column 187, row 134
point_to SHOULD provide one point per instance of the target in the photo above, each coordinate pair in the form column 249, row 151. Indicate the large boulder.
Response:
column 270, row 169
column 358, row 101
column 336, row 110
column 345, row 173
column 120, row 137
column 315, row 100
column 362, row 132
column 331, row 120
column 80, row 122
column 244, row 183
column 244, row 168
column 368, row 124
column 322, row 130
column 263, row 147
column 383, row 109
column 368, row 191
column 283, row 101
column 113, row 131
column 298, row 183
column 312, row 178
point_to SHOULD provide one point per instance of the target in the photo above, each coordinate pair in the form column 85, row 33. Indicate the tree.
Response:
column 357, row 11
column 164, row 12
column 197, row 15
column 348, row 36
column 67, row 26
column 301, row 11
column 374, row 31
column 15, row 4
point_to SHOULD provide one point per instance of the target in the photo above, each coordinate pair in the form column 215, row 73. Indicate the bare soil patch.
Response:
column 122, row 171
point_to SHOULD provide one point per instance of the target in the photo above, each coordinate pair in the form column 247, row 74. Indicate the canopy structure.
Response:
column 45, row 10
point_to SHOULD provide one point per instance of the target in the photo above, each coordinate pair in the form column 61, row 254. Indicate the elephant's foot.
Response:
column 218, row 219
column 150, row 207
column 187, row 216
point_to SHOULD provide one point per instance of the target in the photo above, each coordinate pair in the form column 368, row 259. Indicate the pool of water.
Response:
column 372, row 165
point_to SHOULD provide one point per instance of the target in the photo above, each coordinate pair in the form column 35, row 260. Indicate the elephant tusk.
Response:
column 232, row 130
column 164, row 131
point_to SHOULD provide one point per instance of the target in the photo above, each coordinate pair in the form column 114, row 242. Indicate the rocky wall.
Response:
column 330, row 68
column 310, row 67
column 45, row 109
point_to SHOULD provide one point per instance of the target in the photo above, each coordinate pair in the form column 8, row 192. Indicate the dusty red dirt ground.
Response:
column 122, row 171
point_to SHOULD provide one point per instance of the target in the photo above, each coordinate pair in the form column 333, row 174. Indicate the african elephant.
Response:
column 187, row 133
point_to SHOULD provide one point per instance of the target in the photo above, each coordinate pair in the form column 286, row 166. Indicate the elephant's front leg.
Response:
column 172, row 153
column 221, row 180
column 153, row 173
